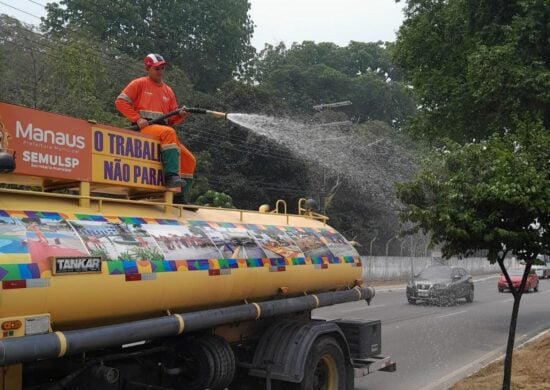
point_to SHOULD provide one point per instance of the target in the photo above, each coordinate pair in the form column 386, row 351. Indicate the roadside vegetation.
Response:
column 530, row 371
column 480, row 73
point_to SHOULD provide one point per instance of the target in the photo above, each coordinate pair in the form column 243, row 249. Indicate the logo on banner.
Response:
column 77, row 265
column 46, row 144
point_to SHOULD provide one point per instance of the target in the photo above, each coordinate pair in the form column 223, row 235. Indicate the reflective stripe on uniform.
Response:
column 169, row 146
column 125, row 97
column 150, row 114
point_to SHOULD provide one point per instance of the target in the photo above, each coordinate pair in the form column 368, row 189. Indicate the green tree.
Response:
column 480, row 72
column 308, row 74
column 215, row 199
column 79, row 84
column 209, row 40
column 238, row 97
column 492, row 195
column 475, row 65
column 23, row 68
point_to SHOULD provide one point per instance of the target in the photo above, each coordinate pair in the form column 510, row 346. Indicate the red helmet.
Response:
column 154, row 60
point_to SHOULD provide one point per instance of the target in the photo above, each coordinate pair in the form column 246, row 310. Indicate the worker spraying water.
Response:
column 151, row 106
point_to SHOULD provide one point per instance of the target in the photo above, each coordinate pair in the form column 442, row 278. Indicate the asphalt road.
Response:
column 436, row 346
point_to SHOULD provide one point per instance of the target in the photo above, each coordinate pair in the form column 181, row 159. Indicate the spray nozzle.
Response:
column 214, row 114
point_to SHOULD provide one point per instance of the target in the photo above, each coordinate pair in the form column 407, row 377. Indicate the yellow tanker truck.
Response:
column 105, row 284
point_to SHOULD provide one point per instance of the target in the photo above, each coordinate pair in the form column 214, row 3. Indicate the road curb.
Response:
column 448, row 381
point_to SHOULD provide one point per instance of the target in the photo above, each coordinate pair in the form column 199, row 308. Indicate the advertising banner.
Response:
column 125, row 157
column 46, row 144
column 61, row 147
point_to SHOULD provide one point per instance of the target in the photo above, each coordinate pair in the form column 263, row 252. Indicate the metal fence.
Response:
column 380, row 268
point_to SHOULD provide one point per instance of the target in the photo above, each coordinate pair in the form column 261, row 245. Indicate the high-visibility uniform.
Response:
column 144, row 98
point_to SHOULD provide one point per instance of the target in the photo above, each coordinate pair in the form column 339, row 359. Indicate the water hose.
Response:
column 192, row 110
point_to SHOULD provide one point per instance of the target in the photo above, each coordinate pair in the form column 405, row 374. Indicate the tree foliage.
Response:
column 22, row 64
column 475, row 65
column 492, row 195
column 480, row 72
column 309, row 74
column 209, row 39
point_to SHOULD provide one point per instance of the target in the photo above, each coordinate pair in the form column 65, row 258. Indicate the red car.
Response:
column 516, row 274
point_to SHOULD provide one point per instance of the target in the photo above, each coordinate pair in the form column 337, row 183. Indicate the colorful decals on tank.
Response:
column 117, row 241
column 136, row 245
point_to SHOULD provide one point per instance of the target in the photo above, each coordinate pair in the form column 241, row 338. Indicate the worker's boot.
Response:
column 171, row 167
column 183, row 196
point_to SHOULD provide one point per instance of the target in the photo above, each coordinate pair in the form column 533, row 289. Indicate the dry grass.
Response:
column 530, row 370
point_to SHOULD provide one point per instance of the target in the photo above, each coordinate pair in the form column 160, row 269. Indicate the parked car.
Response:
column 442, row 285
column 516, row 274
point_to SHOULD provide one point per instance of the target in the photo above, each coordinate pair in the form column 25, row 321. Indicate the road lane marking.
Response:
column 388, row 289
column 361, row 308
column 330, row 316
column 507, row 300
column 452, row 314
column 487, row 278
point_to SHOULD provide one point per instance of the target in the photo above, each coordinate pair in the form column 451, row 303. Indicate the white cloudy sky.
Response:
column 338, row 21
column 288, row 21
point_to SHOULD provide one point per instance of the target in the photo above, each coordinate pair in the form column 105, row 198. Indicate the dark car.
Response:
column 516, row 274
column 441, row 284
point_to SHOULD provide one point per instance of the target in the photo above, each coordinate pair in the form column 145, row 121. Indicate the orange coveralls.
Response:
column 143, row 98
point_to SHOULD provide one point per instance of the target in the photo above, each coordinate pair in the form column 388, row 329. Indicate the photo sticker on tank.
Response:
column 117, row 241
column 336, row 243
column 14, row 248
column 276, row 243
column 234, row 243
column 183, row 242
column 308, row 241
column 48, row 238
column 13, row 238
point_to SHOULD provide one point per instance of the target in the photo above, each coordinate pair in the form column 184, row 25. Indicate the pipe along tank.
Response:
column 83, row 272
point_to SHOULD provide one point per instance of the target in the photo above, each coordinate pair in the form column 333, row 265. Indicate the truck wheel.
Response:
column 224, row 361
column 203, row 363
column 412, row 301
column 326, row 367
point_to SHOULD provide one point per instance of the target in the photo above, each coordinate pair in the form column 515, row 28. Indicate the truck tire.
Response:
column 207, row 363
column 224, row 361
column 326, row 367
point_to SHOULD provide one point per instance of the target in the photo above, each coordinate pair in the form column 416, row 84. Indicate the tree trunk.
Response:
column 506, row 382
